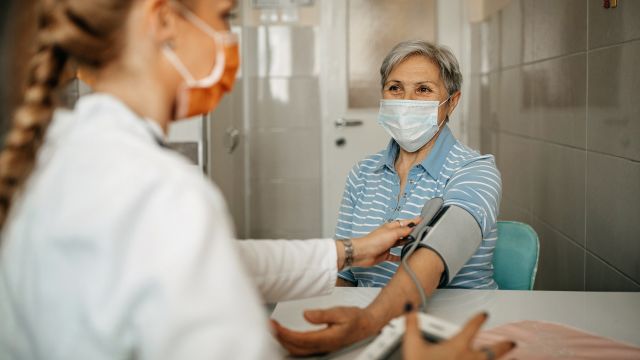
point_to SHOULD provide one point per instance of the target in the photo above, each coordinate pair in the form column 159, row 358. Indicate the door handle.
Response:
column 342, row 122
column 231, row 139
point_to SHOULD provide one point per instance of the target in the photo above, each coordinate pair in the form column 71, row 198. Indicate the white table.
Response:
column 609, row 314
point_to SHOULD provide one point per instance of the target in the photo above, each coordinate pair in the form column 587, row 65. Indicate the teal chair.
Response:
column 515, row 258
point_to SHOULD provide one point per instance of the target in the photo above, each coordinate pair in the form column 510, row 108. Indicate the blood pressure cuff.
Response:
column 455, row 236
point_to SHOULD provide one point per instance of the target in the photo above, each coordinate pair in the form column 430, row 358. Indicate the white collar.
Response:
column 97, row 105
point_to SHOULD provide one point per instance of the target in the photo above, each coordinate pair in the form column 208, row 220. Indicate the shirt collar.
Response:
column 432, row 163
column 435, row 160
column 120, row 115
column 389, row 155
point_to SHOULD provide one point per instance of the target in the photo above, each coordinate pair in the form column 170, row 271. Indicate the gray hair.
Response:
column 441, row 55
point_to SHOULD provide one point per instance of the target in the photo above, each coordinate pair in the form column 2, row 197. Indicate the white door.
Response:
column 355, row 36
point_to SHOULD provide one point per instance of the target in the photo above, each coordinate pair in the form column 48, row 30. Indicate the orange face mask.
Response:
column 197, row 97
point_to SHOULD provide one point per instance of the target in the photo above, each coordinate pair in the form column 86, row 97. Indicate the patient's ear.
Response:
column 453, row 102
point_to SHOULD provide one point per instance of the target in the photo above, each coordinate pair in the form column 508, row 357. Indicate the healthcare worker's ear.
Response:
column 161, row 20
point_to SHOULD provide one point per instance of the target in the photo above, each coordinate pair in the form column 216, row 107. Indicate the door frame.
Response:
column 333, row 99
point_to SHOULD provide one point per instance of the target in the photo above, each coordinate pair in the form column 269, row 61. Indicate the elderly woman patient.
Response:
column 420, row 90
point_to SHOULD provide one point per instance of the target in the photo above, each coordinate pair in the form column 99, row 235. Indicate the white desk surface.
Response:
column 610, row 314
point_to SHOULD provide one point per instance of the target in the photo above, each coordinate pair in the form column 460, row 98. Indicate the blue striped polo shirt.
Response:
column 458, row 174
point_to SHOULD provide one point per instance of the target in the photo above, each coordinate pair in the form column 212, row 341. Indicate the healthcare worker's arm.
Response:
column 290, row 269
column 181, row 285
column 293, row 269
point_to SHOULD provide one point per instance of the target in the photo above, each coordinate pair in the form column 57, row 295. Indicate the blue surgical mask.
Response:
column 411, row 123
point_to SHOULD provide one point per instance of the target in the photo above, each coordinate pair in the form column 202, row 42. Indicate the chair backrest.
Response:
column 515, row 257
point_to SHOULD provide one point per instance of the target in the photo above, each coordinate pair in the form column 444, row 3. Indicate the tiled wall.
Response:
column 271, row 179
column 554, row 87
column 284, row 137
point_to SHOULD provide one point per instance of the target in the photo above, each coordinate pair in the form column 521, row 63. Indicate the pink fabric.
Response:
column 544, row 340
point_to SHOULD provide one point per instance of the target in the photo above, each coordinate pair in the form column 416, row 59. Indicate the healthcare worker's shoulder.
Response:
column 103, row 140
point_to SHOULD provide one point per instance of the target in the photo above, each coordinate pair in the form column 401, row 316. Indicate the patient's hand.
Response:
column 456, row 348
column 345, row 326
column 374, row 247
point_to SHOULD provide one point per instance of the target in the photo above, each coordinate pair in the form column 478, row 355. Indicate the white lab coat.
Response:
column 119, row 249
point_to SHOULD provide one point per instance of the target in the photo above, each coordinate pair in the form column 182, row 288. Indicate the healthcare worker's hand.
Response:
column 414, row 346
column 345, row 326
column 374, row 247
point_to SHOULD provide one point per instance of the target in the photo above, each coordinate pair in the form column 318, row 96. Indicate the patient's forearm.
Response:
column 390, row 303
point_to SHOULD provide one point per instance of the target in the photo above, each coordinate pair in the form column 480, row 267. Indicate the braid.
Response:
column 30, row 122
column 87, row 32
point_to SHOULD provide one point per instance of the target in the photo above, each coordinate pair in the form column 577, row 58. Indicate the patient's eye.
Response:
column 424, row 90
column 394, row 88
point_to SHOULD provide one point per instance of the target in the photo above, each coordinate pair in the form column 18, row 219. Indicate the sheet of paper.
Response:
column 290, row 313
column 545, row 340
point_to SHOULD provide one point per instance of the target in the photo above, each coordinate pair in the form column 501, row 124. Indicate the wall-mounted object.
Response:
column 231, row 139
column 610, row 4
column 262, row 4
column 286, row 11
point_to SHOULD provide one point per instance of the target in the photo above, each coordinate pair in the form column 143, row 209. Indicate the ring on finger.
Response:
column 490, row 354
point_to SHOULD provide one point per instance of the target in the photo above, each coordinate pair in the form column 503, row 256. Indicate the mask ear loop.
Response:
column 446, row 120
column 219, row 39
column 178, row 65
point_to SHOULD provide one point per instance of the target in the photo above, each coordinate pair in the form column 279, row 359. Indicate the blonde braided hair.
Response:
column 83, row 31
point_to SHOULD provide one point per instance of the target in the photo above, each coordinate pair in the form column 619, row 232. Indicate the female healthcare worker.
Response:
column 112, row 246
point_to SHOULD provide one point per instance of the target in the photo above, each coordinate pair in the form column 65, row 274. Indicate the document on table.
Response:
column 290, row 313
column 546, row 340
